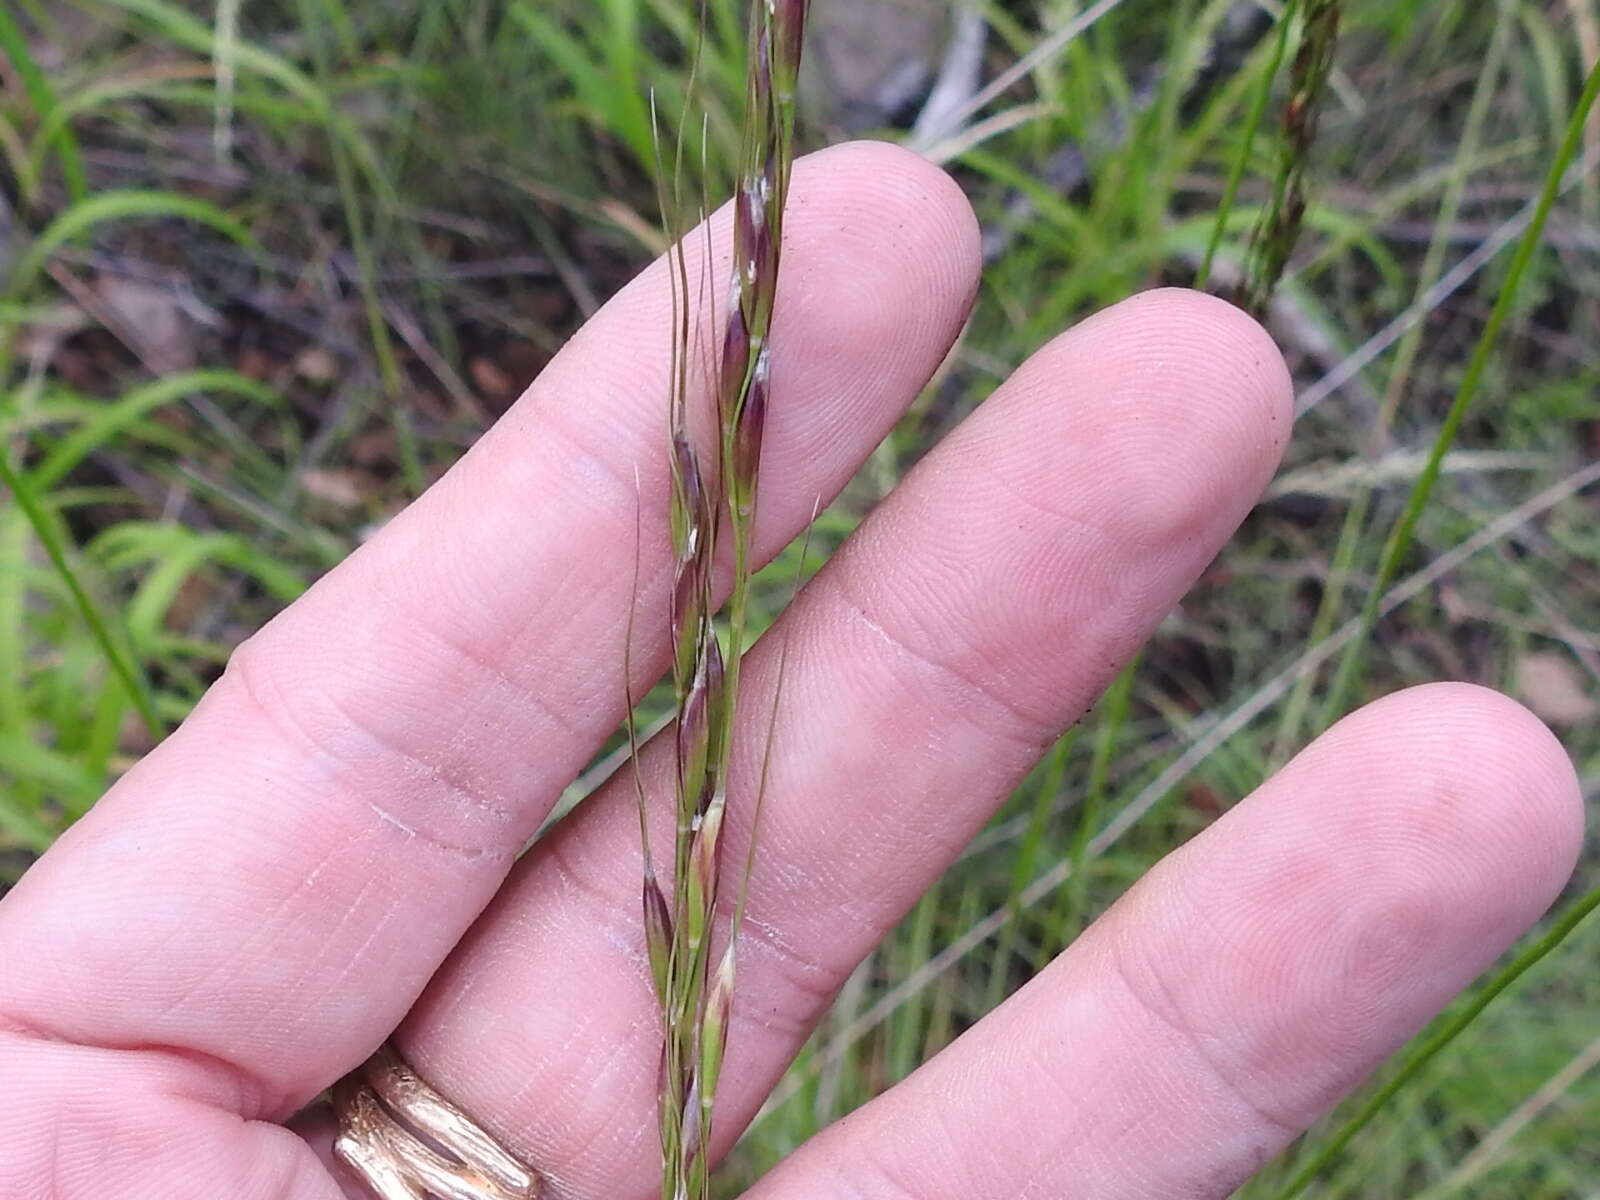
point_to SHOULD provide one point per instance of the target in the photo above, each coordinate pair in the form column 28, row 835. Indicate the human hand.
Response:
column 325, row 853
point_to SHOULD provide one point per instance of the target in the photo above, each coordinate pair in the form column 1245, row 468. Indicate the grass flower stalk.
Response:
column 1282, row 220
column 713, row 509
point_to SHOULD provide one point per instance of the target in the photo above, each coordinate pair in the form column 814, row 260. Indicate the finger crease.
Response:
column 1017, row 724
column 284, row 719
column 1161, row 1009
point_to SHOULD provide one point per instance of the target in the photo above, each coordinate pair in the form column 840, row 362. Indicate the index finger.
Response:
column 273, row 887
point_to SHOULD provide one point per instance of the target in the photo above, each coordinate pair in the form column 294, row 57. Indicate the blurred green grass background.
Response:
column 267, row 269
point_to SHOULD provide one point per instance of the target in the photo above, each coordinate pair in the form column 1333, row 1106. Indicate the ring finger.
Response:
column 1245, row 984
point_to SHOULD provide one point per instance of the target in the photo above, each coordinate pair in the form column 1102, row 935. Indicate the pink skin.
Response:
column 324, row 852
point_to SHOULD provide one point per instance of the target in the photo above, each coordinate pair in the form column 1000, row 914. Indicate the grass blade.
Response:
column 117, row 206
column 122, row 663
column 111, row 421
column 15, row 47
column 1348, row 548
column 1400, row 538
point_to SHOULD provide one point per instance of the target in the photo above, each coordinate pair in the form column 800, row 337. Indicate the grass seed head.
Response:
column 1278, row 232
column 713, row 506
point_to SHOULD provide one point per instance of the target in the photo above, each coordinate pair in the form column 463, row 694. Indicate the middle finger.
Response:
column 978, row 612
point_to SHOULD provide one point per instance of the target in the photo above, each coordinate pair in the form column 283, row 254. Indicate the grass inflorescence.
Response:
column 1281, row 222
column 713, row 507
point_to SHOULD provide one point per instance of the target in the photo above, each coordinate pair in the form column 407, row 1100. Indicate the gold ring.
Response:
column 407, row 1142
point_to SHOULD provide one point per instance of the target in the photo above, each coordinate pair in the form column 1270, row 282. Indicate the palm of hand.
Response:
column 325, row 853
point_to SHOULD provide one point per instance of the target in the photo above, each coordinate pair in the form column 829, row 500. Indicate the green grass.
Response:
column 364, row 213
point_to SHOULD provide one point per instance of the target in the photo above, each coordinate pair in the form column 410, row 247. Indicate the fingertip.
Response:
column 1231, row 364
column 880, row 272
column 1358, row 890
column 1179, row 401
column 912, row 189
column 890, row 247
column 1492, row 779
column 1241, row 341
